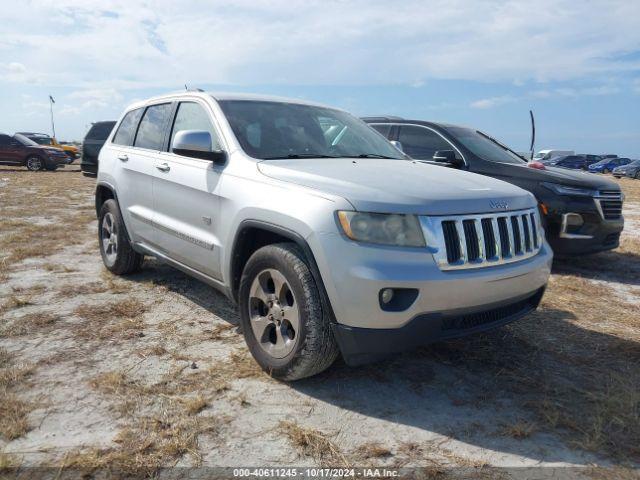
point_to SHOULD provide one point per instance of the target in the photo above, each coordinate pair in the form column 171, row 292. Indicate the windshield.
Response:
column 274, row 130
column 635, row 163
column 484, row 146
column 42, row 140
column 24, row 140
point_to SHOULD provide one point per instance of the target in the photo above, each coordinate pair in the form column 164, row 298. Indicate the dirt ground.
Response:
column 149, row 371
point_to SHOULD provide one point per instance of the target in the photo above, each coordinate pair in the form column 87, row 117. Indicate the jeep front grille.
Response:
column 474, row 241
column 609, row 204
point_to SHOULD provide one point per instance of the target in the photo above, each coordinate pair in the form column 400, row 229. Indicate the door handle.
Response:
column 163, row 167
column 123, row 158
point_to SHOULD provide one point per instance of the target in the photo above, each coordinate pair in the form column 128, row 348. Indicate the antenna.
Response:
column 533, row 133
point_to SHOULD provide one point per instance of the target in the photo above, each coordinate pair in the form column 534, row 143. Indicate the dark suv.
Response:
column 582, row 212
column 91, row 145
column 575, row 162
column 19, row 150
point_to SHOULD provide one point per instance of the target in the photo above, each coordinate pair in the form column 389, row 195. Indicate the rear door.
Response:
column 10, row 150
column 133, row 172
column 186, row 195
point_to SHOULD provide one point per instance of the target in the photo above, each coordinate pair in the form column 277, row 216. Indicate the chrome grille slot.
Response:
column 471, row 237
column 534, row 230
column 452, row 242
column 527, row 235
column 472, row 241
column 609, row 204
column 489, row 238
column 517, row 237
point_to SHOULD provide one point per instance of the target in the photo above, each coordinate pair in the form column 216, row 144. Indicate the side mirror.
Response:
column 396, row 144
column 447, row 156
column 197, row 144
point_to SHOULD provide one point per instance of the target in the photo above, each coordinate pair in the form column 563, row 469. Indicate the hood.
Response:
column 564, row 176
column 399, row 186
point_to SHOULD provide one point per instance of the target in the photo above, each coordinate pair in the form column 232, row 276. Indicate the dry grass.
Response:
column 313, row 443
column 143, row 448
column 519, row 429
column 111, row 320
column 30, row 196
column 30, row 323
column 13, row 411
column 371, row 450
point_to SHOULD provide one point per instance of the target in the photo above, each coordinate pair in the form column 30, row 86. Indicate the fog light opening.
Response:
column 386, row 295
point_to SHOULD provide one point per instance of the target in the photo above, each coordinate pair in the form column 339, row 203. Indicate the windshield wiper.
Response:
column 300, row 155
column 501, row 145
column 369, row 155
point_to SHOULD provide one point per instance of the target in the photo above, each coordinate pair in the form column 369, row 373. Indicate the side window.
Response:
column 383, row 129
column 421, row 143
column 5, row 140
column 151, row 130
column 127, row 129
column 191, row 116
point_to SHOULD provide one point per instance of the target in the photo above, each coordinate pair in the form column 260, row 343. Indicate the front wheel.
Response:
column 115, row 249
column 637, row 175
column 606, row 170
column 283, row 322
column 34, row 163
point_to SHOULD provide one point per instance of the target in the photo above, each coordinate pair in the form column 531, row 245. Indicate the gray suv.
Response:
column 328, row 238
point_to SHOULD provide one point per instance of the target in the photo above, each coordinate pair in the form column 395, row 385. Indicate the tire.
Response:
column 606, row 170
column 285, row 348
column 34, row 163
column 116, row 251
column 637, row 175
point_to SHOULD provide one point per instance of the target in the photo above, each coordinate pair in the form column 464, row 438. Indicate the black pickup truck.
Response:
column 582, row 212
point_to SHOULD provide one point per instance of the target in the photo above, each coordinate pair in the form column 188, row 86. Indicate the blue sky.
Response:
column 477, row 63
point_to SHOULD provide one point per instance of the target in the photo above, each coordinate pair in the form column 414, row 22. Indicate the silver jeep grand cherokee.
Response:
column 329, row 239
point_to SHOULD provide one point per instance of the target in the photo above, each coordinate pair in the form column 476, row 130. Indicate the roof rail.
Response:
column 381, row 118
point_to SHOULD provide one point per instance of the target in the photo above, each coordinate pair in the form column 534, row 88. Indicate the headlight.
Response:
column 564, row 190
column 382, row 228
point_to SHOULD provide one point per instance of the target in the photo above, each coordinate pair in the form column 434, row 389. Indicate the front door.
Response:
column 186, row 196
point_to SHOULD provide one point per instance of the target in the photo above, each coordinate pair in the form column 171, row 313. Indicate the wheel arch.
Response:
column 255, row 234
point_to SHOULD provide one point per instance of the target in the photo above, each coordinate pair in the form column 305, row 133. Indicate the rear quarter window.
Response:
column 100, row 131
column 152, row 127
column 127, row 128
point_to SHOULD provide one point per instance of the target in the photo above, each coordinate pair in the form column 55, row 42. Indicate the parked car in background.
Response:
column 609, row 155
column 575, row 162
column 629, row 170
column 582, row 213
column 22, row 151
column 548, row 154
column 607, row 165
column 91, row 145
column 327, row 237
column 47, row 140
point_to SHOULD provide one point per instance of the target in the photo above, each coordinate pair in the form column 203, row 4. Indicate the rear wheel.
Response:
column 34, row 163
column 285, row 327
column 637, row 175
column 116, row 251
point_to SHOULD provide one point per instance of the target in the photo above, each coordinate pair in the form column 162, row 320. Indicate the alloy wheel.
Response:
column 274, row 313
column 109, row 237
column 34, row 163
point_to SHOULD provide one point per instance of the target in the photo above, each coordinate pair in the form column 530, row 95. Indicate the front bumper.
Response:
column 364, row 345
column 595, row 235
column 56, row 161
column 354, row 275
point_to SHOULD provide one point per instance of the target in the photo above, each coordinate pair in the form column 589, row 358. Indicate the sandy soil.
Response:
column 150, row 371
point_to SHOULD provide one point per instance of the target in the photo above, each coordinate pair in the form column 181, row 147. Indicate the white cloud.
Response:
column 492, row 102
column 119, row 44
